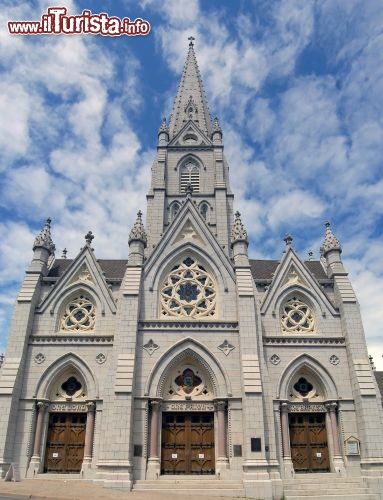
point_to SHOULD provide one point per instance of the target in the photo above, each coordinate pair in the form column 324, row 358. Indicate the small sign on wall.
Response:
column 174, row 455
column 55, row 455
column 352, row 446
column 201, row 455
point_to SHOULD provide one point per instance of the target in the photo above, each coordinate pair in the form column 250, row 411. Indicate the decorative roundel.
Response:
column 79, row 315
column 188, row 291
column 297, row 317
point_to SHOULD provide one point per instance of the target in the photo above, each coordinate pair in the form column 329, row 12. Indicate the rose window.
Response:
column 79, row 315
column 297, row 317
column 188, row 291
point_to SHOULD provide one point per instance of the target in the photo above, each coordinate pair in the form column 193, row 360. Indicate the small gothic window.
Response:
column 204, row 210
column 297, row 317
column 188, row 291
column 71, row 386
column 174, row 210
column 79, row 315
column 303, row 386
column 189, row 175
column 188, row 381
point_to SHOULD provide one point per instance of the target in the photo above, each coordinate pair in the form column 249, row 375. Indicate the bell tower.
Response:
column 190, row 162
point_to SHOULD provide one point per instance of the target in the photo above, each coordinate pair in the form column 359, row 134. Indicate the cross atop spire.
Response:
column 190, row 102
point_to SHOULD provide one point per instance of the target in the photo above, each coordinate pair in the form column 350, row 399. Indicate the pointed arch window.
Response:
column 79, row 315
column 190, row 174
column 297, row 316
column 204, row 210
column 174, row 209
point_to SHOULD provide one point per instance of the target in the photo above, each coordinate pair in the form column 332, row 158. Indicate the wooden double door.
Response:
column 308, row 441
column 187, row 443
column 65, row 443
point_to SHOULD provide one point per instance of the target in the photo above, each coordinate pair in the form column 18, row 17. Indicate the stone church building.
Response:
column 188, row 365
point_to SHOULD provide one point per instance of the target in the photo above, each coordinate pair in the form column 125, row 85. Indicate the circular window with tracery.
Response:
column 297, row 317
column 188, row 291
column 79, row 315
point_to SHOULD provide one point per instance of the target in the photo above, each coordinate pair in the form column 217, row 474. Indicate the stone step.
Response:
column 348, row 496
column 309, row 492
column 61, row 477
column 216, row 487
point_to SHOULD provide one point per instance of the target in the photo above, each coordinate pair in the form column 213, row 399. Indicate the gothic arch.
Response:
column 204, row 209
column 187, row 348
column 193, row 159
column 174, row 208
column 193, row 250
column 308, row 364
column 59, row 367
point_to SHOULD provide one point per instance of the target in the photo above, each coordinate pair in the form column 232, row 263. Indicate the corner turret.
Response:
column 331, row 253
column 137, row 242
column 43, row 248
column 239, row 241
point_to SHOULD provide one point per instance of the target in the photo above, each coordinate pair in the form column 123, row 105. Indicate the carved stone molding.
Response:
column 60, row 339
column 101, row 358
column 275, row 359
column 307, row 408
column 150, row 347
column 39, row 358
column 69, row 407
column 334, row 360
column 303, row 340
column 226, row 347
column 187, row 406
column 188, row 325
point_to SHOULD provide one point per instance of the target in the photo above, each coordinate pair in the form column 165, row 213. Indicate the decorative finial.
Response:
column 138, row 231
column 65, row 251
column 311, row 255
column 189, row 190
column 164, row 126
column 88, row 238
column 331, row 242
column 216, row 125
column 288, row 239
column 238, row 232
column 191, row 40
column 44, row 239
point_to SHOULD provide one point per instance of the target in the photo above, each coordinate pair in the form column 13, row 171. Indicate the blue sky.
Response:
column 297, row 86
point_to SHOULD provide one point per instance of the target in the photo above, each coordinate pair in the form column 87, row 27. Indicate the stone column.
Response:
column 338, row 463
column 35, row 464
column 41, row 408
column 286, row 450
column 222, row 460
column 155, row 405
column 89, row 433
column 153, row 470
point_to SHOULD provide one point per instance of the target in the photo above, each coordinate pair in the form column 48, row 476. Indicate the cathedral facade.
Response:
column 189, row 359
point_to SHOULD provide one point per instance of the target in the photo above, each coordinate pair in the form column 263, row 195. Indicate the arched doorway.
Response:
column 188, row 427
column 310, row 432
column 65, row 422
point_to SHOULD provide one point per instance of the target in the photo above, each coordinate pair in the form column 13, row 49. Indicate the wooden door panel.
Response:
column 65, row 442
column 308, row 442
column 187, row 443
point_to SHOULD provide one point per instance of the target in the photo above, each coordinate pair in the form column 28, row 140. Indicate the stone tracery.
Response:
column 188, row 291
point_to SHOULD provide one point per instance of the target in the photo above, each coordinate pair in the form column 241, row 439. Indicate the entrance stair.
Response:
column 192, row 485
column 326, row 487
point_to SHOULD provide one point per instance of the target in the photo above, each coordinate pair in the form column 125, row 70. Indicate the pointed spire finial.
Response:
column 65, row 251
column 331, row 242
column 138, row 231
column 44, row 239
column 311, row 255
column 164, row 126
column 88, row 238
column 288, row 239
column 190, row 91
column 238, row 232
column 189, row 190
